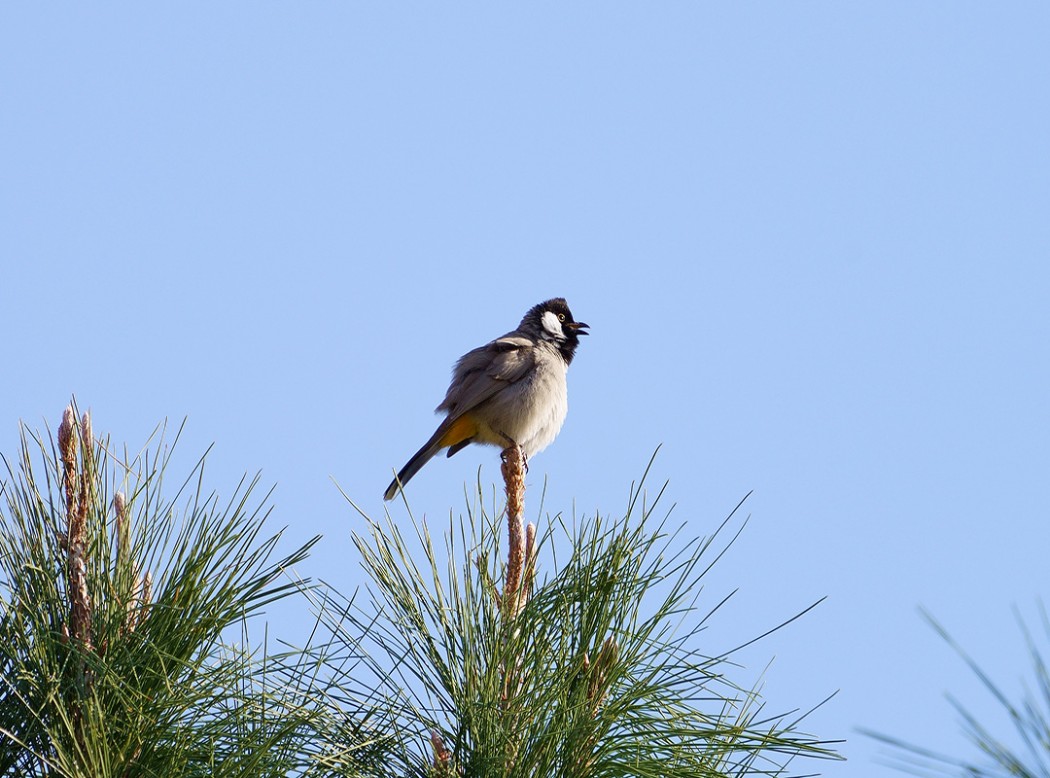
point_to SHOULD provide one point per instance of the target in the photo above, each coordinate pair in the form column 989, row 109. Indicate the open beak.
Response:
column 580, row 328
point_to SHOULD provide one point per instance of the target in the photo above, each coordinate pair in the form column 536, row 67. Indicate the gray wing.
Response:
column 481, row 373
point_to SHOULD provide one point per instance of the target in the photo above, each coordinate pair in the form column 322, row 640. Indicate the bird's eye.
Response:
column 561, row 317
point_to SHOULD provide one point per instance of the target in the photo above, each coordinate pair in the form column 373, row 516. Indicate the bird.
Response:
column 509, row 392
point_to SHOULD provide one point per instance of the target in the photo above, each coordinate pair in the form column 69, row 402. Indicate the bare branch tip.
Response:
column 85, row 432
column 65, row 428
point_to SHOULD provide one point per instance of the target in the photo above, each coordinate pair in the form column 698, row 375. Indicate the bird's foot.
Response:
column 512, row 445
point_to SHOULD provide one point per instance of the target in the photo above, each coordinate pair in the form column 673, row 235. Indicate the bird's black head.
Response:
column 552, row 320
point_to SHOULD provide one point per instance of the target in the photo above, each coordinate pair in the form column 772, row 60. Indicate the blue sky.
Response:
column 811, row 240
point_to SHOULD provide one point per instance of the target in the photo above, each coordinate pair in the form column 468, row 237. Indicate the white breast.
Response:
column 550, row 404
column 533, row 410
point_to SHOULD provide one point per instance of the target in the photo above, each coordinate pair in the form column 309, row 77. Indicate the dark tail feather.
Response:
column 415, row 464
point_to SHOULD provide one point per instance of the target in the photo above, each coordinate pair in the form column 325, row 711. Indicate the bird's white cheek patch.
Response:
column 552, row 325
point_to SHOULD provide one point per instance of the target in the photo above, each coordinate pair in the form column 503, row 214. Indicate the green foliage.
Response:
column 125, row 647
column 599, row 674
column 1028, row 756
